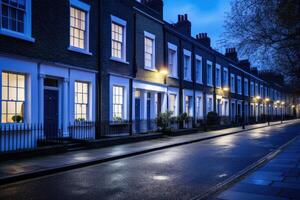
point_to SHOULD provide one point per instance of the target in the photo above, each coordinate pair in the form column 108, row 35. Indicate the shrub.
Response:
column 17, row 118
column 163, row 120
column 212, row 119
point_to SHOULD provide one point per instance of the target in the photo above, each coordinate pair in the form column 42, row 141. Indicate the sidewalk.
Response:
column 15, row 170
column 277, row 180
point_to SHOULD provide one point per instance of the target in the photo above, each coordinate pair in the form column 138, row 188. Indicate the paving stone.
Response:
column 286, row 185
column 256, row 189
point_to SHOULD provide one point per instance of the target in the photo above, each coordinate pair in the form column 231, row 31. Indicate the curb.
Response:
column 44, row 172
column 243, row 173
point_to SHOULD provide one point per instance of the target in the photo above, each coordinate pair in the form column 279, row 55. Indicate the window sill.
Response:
column 119, row 60
column 78, row 50
column 171, row 76
column 188, row 80
column 218, row 87
column 210, row 85
column 199, row 82
column 150, row 69
column 16, row 35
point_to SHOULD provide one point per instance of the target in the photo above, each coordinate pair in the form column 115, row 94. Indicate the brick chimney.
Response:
column 156, row 5
column 245, row 64
column 203, row 39
column 254, row 70
column 232, row 54
column 183, row 25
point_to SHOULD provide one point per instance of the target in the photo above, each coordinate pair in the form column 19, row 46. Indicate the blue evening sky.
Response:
column 207, row 16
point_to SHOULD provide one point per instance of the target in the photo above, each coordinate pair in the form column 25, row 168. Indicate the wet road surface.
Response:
column 181, row 172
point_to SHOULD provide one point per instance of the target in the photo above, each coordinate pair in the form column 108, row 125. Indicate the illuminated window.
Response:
column 118, row 40
column 172, row 104
column 78, row 28
column 81, row 101
column 149, row 51
column 13, row 97
column 172, row 60
column 118, row 102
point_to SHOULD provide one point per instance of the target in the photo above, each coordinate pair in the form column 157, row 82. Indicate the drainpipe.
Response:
column 99, row 121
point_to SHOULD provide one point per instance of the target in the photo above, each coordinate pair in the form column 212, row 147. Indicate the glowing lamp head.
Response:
column 226, row 89
column 164, row 71
column 257, row 97
column 267, row 100
column 282, row 103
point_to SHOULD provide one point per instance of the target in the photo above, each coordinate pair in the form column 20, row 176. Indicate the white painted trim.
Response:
column 239, row 87
column 213, row 103
column 122, row 23
column 218, row 66
column 148, row 86
column 199, row 80
column 190, row 93
column 86, row 8
column 123, row 82
column 232, row 87
column 189, row 54
column 152, row 37
column 211, row 73
column 174, row 91
column 175, row 61
column 201, row 114
column 27, row 35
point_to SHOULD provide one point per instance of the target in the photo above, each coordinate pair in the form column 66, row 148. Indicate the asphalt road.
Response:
column 181, row 172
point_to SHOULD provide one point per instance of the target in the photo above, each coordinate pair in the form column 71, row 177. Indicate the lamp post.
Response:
column 282, row 104
column 268, row 115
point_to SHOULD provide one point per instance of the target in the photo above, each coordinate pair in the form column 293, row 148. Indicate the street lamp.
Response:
column 164, row 71
column 282, row 104
column 226, row 89
column 267, row 105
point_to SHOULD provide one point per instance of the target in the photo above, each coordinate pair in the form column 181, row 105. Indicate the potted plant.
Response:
column 163, row 121
column 17, row 118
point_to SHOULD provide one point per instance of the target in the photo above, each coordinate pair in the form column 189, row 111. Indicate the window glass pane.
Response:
column 77, row 27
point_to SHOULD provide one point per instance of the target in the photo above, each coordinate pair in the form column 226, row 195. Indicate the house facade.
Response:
column 116, row 64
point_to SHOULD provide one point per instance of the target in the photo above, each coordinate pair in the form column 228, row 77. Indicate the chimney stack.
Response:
column 232, row 54
column 156, row 5
column 183, row 25
column 245, row 64
column 203, row 39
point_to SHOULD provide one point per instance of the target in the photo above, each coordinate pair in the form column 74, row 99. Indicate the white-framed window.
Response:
column 118, row 38
column 199, row 70
column 172, row 104
column 266, row 92
column 13, row 97
column 252, row 89
column 239, row 85
column 172, row 60
column 209, row 104
column 232, row 83
column 246, row 87
column 81, row 101
column 199, row 107
column 79, row 26
column 188, row 105
column 218, row 76
column 118, row 102
column 187, row 65
column 15, row 19
column 225, row 77
column 209, row 73
column 149, row 42
column 261, row 93
column 256, row 89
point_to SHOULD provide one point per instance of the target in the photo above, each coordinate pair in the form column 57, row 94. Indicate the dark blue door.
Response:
column 137, row 115
column 50, row 113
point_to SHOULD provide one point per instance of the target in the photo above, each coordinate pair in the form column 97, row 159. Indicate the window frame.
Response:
column 199, row 79
column 173, row 47
column 151, row 37
column 122, row 105
column 209, row 73
column 246, row 87
column 123, row 24
column 88, row 100
column 187, row 53
column 232, row 84
column 15, row 101
column 27, row 35
column 85, row 8
column 218, row 80
column 225, row 83
column 239, row 85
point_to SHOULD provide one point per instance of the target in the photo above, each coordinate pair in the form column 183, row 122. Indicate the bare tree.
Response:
column 268, row 32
